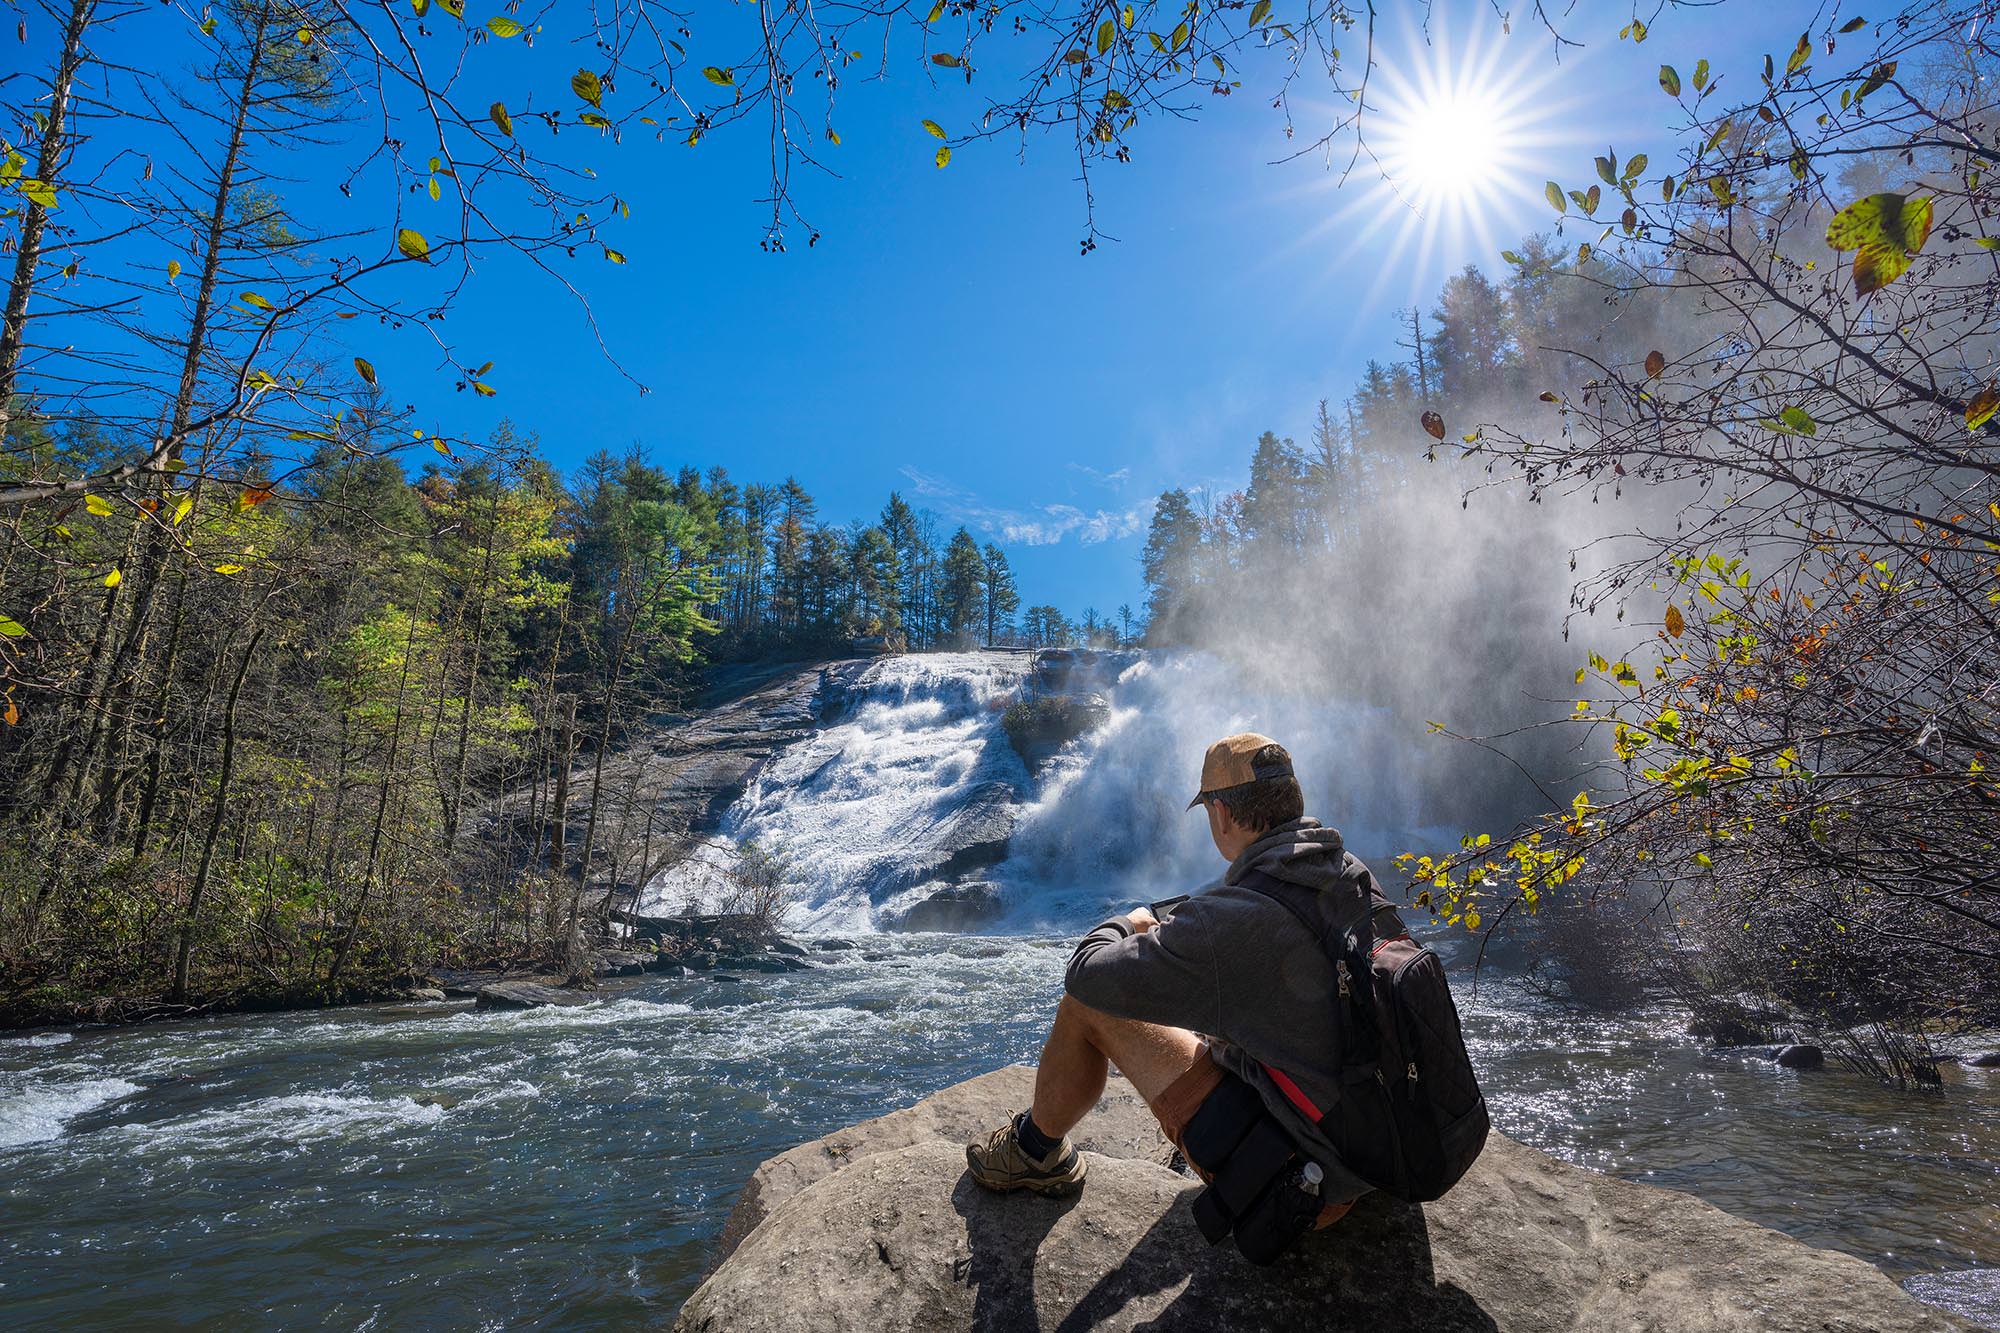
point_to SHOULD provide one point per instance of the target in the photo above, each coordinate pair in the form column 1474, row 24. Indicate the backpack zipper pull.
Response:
column 1340, row 969
column 1411, row 1074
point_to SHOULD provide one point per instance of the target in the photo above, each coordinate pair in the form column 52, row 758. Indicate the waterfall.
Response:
column 911, row 784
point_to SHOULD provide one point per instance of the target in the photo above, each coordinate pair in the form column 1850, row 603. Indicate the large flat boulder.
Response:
column 878, row 1227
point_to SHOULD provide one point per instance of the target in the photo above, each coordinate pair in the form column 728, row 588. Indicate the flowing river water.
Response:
column 436, row 1166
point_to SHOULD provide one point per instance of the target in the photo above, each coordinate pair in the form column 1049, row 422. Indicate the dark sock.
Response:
column 1033, row 1142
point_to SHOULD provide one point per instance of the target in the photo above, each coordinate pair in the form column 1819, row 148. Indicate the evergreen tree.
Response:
column 1173, row 548
column 962, row 590
column 1002, row 597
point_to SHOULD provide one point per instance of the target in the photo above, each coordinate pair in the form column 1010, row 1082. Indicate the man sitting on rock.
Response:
column 1229, row 996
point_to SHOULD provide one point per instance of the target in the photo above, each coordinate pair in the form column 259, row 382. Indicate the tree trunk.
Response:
column 179, row 994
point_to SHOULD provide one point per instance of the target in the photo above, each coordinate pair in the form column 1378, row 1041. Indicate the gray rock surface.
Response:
column 1981, row 1060
column 877, row 1227
column 960, row 907
column 527, row 995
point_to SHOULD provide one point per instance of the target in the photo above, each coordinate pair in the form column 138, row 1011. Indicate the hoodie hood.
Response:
column 1301, row 852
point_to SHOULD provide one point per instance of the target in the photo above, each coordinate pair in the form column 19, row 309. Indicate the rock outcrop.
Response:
column 527, row 995
column 877, row 1226
column 961, row 907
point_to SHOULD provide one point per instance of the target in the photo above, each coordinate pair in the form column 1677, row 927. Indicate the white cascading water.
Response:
column 1109, row 825
column 864, row 813
column 857, row 810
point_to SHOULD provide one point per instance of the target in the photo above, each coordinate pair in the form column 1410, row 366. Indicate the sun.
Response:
column 1447, row 149
column 1455, row 132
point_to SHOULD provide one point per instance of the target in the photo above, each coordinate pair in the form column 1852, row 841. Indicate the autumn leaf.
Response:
column 1982, row 407
column 1676, row 623
column 1885, row 231
column 591, row 88
column 502, row 26
column 413, row 245
column 1656, row 364
column 1433, row 425
column 947, row 59
column 114, row 578
column 252, row 497
column 365, row 370
column 944, row 156
column 936, row 130
column 1670, row 81
column 505, row 122
column 720, row 77
column 229, row 569
column 97, row 505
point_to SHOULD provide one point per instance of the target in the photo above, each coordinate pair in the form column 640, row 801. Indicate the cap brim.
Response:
column 1195, row 802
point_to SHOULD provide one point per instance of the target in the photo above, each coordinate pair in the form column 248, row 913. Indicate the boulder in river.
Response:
column 960, row 907
column 1980, row 1060
column 878, row 1226
column 1799, row 1057
column 527, row 995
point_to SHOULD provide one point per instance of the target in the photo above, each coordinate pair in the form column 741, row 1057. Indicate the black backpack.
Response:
column 1410, row 1119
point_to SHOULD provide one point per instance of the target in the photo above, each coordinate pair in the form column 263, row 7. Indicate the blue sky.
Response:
column 946, row 338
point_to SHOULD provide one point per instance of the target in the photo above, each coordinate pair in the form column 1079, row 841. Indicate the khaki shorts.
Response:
column 1184, row 1096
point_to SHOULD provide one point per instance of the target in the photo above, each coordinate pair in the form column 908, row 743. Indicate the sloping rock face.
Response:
column 878, row 1227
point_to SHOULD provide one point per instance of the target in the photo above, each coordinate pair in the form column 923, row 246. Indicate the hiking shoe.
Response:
column 1001, row 1163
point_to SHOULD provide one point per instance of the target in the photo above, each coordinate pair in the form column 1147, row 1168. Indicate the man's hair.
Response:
column 1268, row 802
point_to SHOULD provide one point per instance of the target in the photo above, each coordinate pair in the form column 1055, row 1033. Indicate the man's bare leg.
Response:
column 1083, row 1043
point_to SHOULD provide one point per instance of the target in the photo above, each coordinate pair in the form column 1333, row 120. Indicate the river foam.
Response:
column 38, row 1111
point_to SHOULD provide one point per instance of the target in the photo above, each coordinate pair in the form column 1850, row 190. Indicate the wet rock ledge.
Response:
column 876, row 1226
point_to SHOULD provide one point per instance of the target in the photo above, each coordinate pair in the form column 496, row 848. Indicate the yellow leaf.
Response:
column 229, row 569
column 944, row 155
column 936, row 130
column 97, row 505
column 183, row 509
column 1676, row 623
column 365, row 369
column 173, row 269
column 113, row 579
column 1982, row 407
column 413, row 245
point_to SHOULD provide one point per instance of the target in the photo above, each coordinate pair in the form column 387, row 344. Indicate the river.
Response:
column 436, row 1166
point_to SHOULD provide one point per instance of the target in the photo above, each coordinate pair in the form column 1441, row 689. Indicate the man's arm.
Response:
column 1165, row 973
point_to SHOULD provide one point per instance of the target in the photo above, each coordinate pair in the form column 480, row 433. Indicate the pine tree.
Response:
column 1002, row 597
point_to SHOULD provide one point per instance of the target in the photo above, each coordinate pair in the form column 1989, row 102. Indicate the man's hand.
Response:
column 1141, row 919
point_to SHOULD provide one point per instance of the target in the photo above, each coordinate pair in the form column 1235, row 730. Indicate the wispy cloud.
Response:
column 1114, row 480
column 1044, row 525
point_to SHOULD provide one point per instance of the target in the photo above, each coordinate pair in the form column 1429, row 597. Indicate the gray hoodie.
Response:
column 1239, row 968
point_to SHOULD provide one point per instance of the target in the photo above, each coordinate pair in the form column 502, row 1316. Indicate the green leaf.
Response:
column 1880, row 75
column 252, row 299
column 1884, row 230
column 455, row 8
column 208, row 24
column 12, row 628
column 937, row 12
column 1798, row 421
column 1670, row 80
column 1854, row 24
column 1635, row 168
column 722, row 78
column 613, row 255
column 1107, row 32
column 944, row 155
column 936, row 130
column 503, row 27
column 1719, row 187
column 436, row 193
column 1800, row 54
column 1988, row 242
column 413, row 245
column 505, row 122
column 596, row 119
column 1259, row 12
column 1607, row 167
column 1074, row 56
column 38, row 192
column 365, row 370
column 1178, row 38
column 1555, row 197
column 591, row 88
column 1701, row 74
column 97, row 505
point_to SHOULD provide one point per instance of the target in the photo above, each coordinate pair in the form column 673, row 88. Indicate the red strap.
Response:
column 1386, row 941
column 1293, row 1095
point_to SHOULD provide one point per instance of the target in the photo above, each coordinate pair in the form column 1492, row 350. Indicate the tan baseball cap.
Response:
column 1231, row 762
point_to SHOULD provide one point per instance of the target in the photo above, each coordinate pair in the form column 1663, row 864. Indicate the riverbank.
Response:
column 438, row 1164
